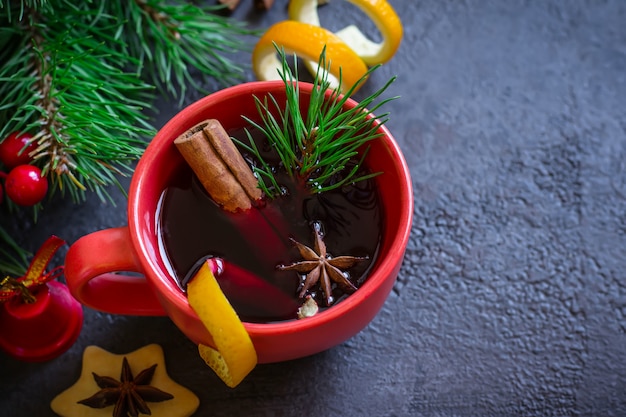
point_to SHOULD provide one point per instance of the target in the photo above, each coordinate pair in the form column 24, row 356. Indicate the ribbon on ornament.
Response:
column 35, row 275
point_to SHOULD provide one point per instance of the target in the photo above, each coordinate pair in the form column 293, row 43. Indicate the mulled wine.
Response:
column 254, row 243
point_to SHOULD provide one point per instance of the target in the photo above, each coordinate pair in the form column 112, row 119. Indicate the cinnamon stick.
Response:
column 218, row 164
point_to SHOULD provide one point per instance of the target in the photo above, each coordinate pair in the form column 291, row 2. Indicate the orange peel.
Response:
column 234, row 355
column 379, row 11
column 307, row 42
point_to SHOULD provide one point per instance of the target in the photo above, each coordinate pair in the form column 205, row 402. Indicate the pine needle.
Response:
column 181, row 45
column 79, row 76
column 324, row 147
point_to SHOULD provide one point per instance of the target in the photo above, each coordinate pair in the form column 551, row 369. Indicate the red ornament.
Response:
column 35, row 275
column 39, row 319
column 15, row 149
column 25, row 185
column 43, row 329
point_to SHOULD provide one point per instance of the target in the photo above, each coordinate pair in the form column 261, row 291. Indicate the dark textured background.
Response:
column 512, row 297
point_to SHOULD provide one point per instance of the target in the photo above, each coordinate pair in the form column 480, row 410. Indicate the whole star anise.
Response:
column 320, row 267
column 128, row 394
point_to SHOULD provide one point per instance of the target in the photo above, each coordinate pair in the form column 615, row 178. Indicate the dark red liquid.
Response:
column 193, row 227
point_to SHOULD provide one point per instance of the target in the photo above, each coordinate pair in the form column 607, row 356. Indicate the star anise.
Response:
column 320, row 267
column 128, row 394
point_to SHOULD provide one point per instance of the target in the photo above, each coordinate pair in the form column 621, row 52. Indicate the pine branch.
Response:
column 18, row 11
column 74, row 78
column 85, row 113
column 182, row 45
column 322, row 147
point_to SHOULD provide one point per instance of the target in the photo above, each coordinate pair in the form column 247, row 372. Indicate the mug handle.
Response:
column 92, row 264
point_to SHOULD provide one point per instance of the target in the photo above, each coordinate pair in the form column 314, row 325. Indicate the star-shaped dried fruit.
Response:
column 320, row 267
column 96, row 387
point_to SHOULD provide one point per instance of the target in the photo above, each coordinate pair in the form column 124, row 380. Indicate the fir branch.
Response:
column 17, row 10
column 73, row 78
column 318, row 147
column 182, row 45
column 65, row 86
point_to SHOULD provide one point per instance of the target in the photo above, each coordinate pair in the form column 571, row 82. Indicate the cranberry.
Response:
column 25, row 185
column 11, row 146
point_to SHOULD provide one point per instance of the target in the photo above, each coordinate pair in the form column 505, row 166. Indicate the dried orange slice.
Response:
column 381, row 13
column 307, row 42
column 234, row 355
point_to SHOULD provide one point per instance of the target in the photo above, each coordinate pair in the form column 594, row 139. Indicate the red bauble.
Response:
column 42, row 330
column 11, row 146
column 25, row 185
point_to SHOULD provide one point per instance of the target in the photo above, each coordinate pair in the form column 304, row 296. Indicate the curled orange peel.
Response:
column 234, row 355
column 379, row 11
column 307, row 42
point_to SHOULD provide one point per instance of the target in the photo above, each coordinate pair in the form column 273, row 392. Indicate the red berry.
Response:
column 25, row 185
column 11, row 146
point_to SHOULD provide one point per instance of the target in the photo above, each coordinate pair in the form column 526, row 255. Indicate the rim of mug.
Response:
column 163, row 139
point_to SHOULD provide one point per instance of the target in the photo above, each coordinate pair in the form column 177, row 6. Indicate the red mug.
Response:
column 97, row 265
